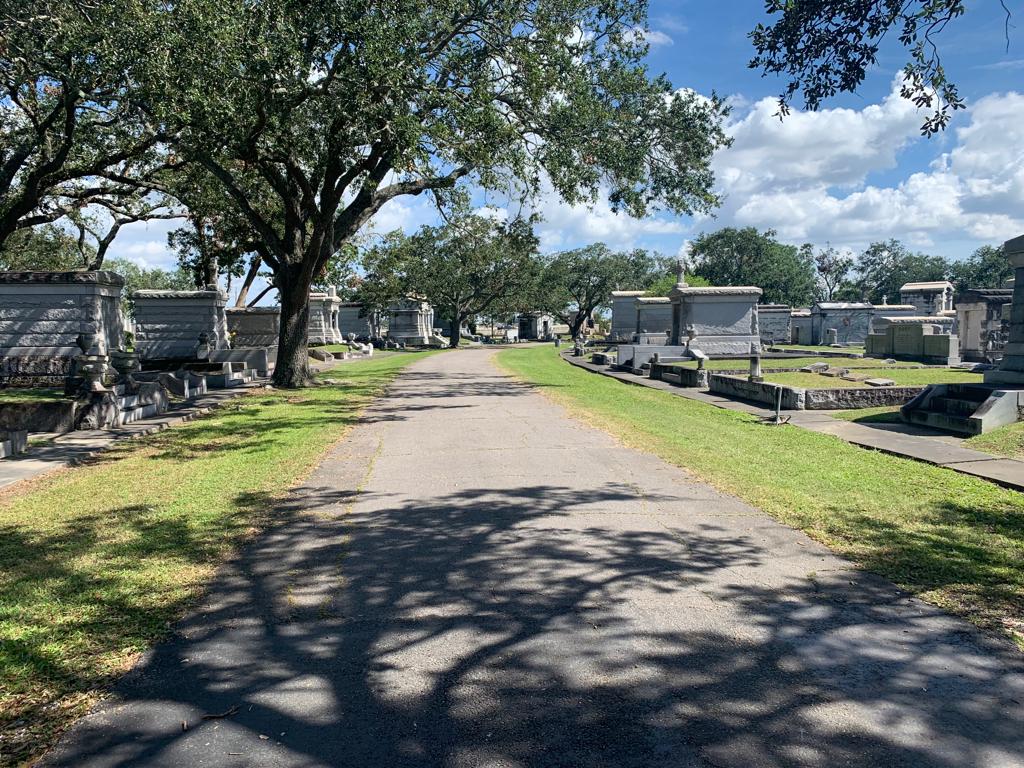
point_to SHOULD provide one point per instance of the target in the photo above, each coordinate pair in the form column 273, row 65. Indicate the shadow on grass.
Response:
column 487, row 626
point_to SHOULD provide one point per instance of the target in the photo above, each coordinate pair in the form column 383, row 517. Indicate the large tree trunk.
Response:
column 576, row 324
column 292, row 369
column 455, row 332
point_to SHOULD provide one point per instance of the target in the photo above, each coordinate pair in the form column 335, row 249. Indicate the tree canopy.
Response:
column 341, row 107
column 825, row 47
column 731, row 256
column 470, row 266
column 575, row 283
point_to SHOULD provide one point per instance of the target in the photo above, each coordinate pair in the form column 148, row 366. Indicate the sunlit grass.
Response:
column 953, row 540
column 96, row 561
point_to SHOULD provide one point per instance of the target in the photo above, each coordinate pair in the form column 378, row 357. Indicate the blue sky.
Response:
column 855, row 172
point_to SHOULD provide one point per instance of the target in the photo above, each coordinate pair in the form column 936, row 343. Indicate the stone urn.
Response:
column 125, row 363
column 87, row 341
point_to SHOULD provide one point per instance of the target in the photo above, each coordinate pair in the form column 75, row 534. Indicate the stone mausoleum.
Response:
column 411, row 321
column 929, row 299
column 624, row 320
column 979, row 313
column 775, row 323
column 324, row 310
column 176, row 324
column 254, row 326
column 353, row 319
column 43, row 314
column 713, row 322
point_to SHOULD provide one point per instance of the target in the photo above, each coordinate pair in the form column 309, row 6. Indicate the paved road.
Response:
column 476, row 579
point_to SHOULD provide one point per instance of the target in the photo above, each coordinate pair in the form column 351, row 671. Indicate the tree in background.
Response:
column 987, row 267
column 46, row 248
column 827, row 46
column 573, row 284
column 667, row 279
column 731, row 256
column 141, row 278
column 470, row 266
column 833, row 268
column 341, row 107
column 886, row 266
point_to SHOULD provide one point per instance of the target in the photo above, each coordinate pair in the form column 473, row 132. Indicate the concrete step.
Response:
column 953, row 406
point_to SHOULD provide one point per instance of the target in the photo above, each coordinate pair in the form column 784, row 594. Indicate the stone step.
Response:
column 953, row 406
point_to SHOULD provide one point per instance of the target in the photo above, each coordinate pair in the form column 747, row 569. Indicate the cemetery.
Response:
column 491, row 385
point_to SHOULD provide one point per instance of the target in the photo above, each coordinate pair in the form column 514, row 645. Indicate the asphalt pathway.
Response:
column 473, row 578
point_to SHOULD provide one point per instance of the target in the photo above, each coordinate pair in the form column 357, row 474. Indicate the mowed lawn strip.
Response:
column 96, row 561
column 904, row 377
column 955, row 541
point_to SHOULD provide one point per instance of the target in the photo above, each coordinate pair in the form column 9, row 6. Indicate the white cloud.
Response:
column 806, row 177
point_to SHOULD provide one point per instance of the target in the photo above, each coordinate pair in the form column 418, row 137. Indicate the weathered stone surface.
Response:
column 880, row 382
column 775, row 323
column 624, row 315
column 324, row 309
column 42, row 315
column 168, row 324
column 254, row 326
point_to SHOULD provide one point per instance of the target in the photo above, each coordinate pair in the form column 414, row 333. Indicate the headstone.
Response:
column 929, row 299
column 879, row 382
column 717, row 321
column 624, row 316
column 775, row 323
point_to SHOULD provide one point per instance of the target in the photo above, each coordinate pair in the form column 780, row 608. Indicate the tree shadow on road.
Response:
column 527, row 628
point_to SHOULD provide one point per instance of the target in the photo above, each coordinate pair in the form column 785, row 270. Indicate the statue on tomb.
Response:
column 680, row 269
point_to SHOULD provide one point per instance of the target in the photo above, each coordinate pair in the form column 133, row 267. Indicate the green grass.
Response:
column 29, row 394
column 904, row 377
column 796, row 363
column 96, row 561
column 953, row 540
column 811, row 348
column 1005, row 441
column 884, row 414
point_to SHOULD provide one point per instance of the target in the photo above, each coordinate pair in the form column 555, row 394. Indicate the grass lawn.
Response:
column 953, row 540
column 904, row 377
column 1005, row 441
column 96, row 561
column 811, row 348
column 796, row 363
column 884, row 414
column 29, row 394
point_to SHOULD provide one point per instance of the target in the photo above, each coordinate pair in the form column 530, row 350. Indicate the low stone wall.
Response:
column 758, row 391
column 679, row 375
column 797, row 399
column 866, row 397
column 45, row 416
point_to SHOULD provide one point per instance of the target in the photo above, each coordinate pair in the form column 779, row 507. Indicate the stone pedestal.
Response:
column 1011, row 367
column 175, row 324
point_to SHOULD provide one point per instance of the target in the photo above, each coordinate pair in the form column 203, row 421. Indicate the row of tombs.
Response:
column 66, row 330
column 673, row 337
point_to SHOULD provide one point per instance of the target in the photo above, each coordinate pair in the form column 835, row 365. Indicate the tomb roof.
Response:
column 653, row 300
column 937, row 285
column 102, row 277
column 628, row 294
column 725, row 290
column 827, row 305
